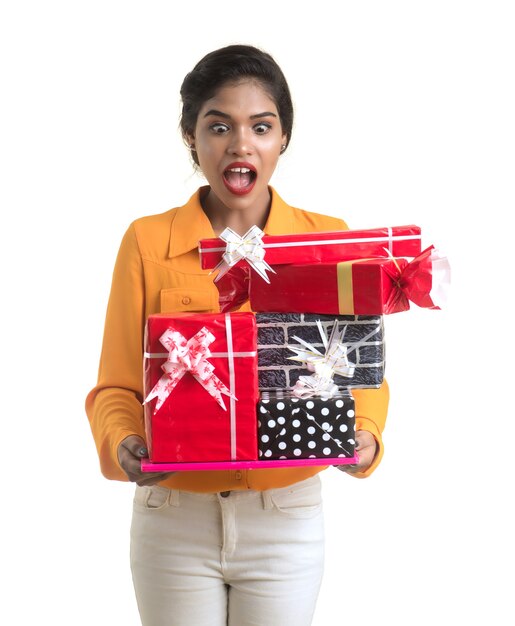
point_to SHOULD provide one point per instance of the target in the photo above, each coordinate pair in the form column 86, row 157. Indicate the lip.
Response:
column 240, row 191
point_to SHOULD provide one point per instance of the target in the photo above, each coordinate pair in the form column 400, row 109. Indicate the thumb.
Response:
column 136, row 446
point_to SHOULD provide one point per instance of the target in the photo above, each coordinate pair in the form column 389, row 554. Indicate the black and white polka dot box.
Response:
column 305, row 428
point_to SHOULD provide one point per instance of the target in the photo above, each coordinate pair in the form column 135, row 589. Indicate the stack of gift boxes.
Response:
column 276, row 385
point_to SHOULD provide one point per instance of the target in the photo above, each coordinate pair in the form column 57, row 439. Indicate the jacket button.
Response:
column 186, row 300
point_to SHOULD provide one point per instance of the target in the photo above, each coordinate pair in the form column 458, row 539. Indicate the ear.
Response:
column 189, row 139
column 284, row 143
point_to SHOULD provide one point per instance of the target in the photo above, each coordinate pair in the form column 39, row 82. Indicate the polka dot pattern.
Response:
column 290, row 427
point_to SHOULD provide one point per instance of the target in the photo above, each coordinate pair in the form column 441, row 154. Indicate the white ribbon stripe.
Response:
column 388, row 239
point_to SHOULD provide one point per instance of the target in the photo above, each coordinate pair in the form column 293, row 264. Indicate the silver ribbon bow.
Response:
column 325, row 366
column 249, row 247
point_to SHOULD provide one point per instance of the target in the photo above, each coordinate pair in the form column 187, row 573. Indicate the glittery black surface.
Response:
column 276, row 332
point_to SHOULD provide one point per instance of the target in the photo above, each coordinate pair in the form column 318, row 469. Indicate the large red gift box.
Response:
column 201, row 387
column 358, row 287
column 325, row 247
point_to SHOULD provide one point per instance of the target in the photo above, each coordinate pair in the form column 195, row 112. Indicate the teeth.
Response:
column 240, row 170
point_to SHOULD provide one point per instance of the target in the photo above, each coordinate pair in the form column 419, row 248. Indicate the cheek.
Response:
column 270, row 154
column 207, row 155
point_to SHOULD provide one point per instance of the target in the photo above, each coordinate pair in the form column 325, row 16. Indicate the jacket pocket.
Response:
column 178, row 299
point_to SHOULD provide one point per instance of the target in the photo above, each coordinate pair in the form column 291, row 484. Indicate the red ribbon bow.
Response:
column 418, row 282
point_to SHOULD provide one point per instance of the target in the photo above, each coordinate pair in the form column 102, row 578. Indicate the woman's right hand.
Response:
column 131, row 451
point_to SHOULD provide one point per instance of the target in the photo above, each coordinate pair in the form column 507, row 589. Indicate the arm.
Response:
column 114, row 406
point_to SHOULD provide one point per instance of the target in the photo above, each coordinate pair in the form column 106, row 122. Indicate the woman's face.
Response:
column 238, row 139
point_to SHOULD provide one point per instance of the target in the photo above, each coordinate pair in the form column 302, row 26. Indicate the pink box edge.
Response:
column 148, row 466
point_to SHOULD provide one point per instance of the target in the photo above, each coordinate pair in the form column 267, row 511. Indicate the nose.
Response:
column 241, row 142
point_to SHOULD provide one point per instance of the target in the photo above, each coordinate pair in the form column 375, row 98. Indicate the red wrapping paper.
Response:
column 359, row 287
column 190, row 426
column 326, row 247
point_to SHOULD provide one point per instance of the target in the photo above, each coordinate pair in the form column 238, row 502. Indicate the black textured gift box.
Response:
column 295, row 428
column 276, row 332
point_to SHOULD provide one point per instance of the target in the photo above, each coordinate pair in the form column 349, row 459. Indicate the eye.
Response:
column 262, row 128
column 219, row 128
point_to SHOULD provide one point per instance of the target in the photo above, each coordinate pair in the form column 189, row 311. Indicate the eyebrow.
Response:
column 217, row 113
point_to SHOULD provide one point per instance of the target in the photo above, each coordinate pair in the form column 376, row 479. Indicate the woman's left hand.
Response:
column 366, row 448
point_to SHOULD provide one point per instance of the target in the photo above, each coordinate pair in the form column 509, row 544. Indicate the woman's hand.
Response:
column 130, row 453
column 366, row 448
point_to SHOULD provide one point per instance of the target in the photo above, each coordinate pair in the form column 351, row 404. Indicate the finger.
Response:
column 364, row 439
column 131, row 466
column 365, row 458
column 135, row 445
column 151, row 479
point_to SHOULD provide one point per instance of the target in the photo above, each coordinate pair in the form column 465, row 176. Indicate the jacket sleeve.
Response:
column 114, row 406
column 371, row 406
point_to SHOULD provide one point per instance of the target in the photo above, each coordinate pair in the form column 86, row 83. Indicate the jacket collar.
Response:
column 191, row 224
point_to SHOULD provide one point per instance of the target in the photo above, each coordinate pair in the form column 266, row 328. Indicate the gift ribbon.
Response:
column 249, row 247
column 309, row 386
column 345, row 288
column 232, row 383
column 325, row 365
column 389, row 239
column 189, row 356
column 425, row 281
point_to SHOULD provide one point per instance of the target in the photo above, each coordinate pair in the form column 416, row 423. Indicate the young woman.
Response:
column 227, row 547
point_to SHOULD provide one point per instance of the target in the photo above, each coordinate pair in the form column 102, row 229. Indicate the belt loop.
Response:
column 267, row 500
column 174, row 497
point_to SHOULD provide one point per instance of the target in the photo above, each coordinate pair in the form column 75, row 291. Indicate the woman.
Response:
column 238, row 547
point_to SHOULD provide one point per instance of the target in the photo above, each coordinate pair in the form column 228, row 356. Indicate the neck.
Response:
column 240, row 220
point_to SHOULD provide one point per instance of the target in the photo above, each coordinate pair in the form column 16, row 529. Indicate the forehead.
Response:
column 246, row 97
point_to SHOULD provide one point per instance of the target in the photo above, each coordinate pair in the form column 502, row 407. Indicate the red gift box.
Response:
column 358, row 287
column 201, row 387
column 326, row 247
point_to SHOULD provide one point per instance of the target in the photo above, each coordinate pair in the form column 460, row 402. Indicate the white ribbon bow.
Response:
column 249, row 247
column 188, row 356
column 324, row 366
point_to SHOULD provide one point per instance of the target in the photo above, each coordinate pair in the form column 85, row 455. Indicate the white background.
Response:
column 404, row 114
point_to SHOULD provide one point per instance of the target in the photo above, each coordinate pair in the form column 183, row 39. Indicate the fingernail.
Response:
column 143, row 452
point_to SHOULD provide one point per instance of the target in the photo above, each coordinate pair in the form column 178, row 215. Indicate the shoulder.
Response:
column 151, row 233
column 148, row 225
column 308, row 221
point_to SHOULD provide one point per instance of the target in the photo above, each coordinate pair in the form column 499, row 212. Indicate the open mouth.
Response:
column 240, row 178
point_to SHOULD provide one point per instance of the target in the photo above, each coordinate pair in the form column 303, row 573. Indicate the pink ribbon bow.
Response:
column 188, row 356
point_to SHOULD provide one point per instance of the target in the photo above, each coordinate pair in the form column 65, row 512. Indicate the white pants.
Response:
column 241, row 558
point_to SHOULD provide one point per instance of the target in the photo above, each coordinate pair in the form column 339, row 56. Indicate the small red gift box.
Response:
column 358, row 287
column 200, row 386
column 326, row 247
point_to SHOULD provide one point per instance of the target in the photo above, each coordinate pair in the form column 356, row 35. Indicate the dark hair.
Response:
column 233, row 64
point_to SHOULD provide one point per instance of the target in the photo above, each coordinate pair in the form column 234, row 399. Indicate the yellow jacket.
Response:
column 158, row 270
